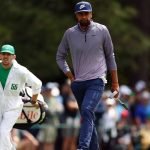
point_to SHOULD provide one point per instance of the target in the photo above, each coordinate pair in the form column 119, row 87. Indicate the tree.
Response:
column 36, row 27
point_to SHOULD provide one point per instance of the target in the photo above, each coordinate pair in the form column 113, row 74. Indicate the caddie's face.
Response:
column 84, row 18
column 7, row 59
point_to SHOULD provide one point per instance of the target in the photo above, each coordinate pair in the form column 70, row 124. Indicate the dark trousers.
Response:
column 88, row 94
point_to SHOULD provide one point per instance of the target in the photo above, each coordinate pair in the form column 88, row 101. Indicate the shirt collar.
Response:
column 15, row 64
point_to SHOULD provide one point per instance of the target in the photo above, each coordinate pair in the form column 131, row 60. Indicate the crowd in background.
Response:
column 118, row 128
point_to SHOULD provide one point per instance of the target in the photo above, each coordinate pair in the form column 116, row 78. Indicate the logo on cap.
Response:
column 82, row 6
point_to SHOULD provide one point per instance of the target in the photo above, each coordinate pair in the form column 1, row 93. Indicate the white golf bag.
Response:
column 31, row 114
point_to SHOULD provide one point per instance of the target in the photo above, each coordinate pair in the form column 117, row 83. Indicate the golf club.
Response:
column 117, row 99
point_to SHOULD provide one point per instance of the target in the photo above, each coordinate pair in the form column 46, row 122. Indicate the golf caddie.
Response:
column 13, row 78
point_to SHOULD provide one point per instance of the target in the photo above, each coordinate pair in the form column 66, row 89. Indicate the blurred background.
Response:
column 36, row 27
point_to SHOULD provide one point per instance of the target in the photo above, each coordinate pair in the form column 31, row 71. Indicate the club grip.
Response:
column 113, row 94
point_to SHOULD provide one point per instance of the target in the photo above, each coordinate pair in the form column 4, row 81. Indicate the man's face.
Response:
column 7, row 59
column 84, row 18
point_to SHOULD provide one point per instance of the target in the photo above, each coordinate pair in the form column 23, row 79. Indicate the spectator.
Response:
column 48, row 133
column 71, row 119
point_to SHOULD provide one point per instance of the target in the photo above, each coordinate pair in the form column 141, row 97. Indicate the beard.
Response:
column 84, row 23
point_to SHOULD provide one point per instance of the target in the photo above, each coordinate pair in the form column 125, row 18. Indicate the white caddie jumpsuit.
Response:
column 11, row 103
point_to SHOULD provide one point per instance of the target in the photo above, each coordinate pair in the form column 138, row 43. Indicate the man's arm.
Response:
column 62, row 53
column 110, row 61
column 35, row 84
column 70, row 76
column 114, row 82
column 34, row 98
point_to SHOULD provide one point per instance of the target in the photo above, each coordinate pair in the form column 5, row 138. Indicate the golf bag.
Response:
column 31, row 114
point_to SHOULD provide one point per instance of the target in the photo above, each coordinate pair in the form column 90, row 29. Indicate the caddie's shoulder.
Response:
column 18, row 67
column 22, row 68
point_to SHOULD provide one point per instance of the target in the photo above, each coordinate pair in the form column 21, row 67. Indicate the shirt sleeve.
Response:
column 62, row 53
column 109, row 50
column 34, row 82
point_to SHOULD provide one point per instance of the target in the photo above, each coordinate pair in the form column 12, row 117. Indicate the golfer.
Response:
column 92, row 56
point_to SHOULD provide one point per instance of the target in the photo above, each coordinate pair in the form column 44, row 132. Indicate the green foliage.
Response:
column 130, row 44
column 36, row 27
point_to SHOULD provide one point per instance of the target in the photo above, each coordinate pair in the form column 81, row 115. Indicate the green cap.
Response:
column 8, row 49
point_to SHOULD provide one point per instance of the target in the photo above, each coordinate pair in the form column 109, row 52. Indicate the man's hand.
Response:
column 70, row 76
column 35, row 103
column 34, row 100
column 115, row 87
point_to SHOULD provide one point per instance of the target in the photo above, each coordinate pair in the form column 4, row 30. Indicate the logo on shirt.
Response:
column 82, row 6
column 14, row 86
